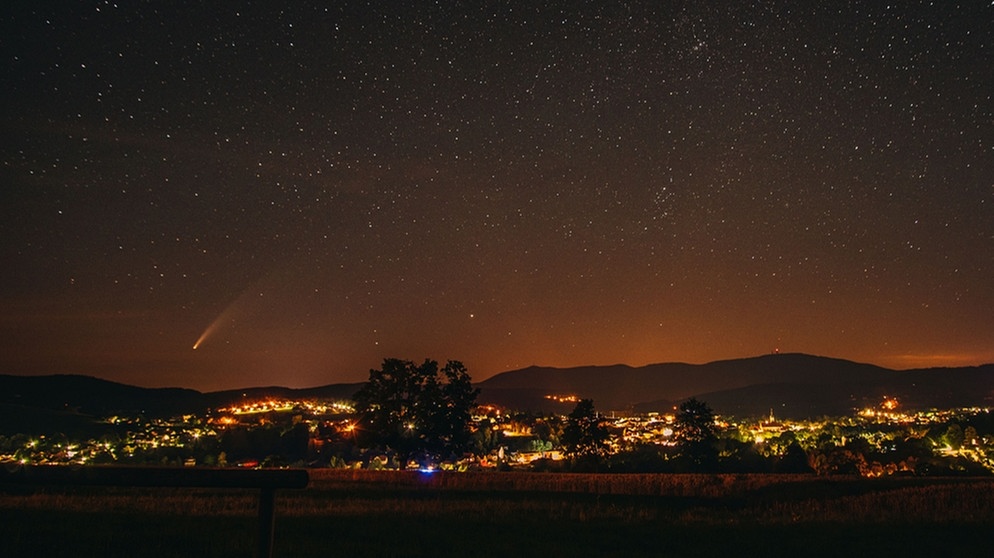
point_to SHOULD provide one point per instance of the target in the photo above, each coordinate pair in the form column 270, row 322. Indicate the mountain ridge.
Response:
column 793, row 384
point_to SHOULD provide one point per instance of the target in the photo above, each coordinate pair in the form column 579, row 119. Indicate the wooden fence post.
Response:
column 267, row 521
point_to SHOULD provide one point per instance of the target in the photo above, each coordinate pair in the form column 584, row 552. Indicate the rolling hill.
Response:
column 794, row 385
column 72, row 401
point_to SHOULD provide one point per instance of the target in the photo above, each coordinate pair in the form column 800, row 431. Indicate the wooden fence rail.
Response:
column 266, row 480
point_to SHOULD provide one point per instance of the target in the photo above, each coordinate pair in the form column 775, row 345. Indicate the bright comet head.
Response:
column 202, row 338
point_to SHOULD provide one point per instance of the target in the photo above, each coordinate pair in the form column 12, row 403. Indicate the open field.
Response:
column 366, row 513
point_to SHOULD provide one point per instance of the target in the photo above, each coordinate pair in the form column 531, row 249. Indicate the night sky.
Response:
column 307, row 190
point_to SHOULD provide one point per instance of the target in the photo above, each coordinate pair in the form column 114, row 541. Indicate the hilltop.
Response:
column 71, row 402
column 793, row 385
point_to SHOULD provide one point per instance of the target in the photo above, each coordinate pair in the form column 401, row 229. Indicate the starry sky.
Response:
column 304, row 190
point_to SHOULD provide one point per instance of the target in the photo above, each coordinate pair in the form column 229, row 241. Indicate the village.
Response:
column 885, row 440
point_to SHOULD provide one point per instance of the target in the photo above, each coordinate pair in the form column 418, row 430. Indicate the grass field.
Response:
column 367, row 513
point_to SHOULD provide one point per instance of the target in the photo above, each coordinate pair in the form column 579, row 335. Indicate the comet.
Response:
column 214, row 325
column 203, row 336
column 235, row 310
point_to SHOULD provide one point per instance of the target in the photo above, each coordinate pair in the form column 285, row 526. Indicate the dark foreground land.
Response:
column 365, row 513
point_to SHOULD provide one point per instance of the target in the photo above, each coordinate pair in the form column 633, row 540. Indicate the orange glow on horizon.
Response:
column 913, row 361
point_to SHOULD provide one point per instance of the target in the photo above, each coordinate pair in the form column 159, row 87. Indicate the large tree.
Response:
column 417, row 410
column 584, row 435
column 695, row 433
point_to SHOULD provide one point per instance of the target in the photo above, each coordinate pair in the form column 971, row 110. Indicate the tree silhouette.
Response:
column 794, row 460
column 584, row 435
column 416, row 409
column 695, row 434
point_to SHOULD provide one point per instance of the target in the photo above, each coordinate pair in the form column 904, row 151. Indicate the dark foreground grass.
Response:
column 562, row 539
column 514, row 515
